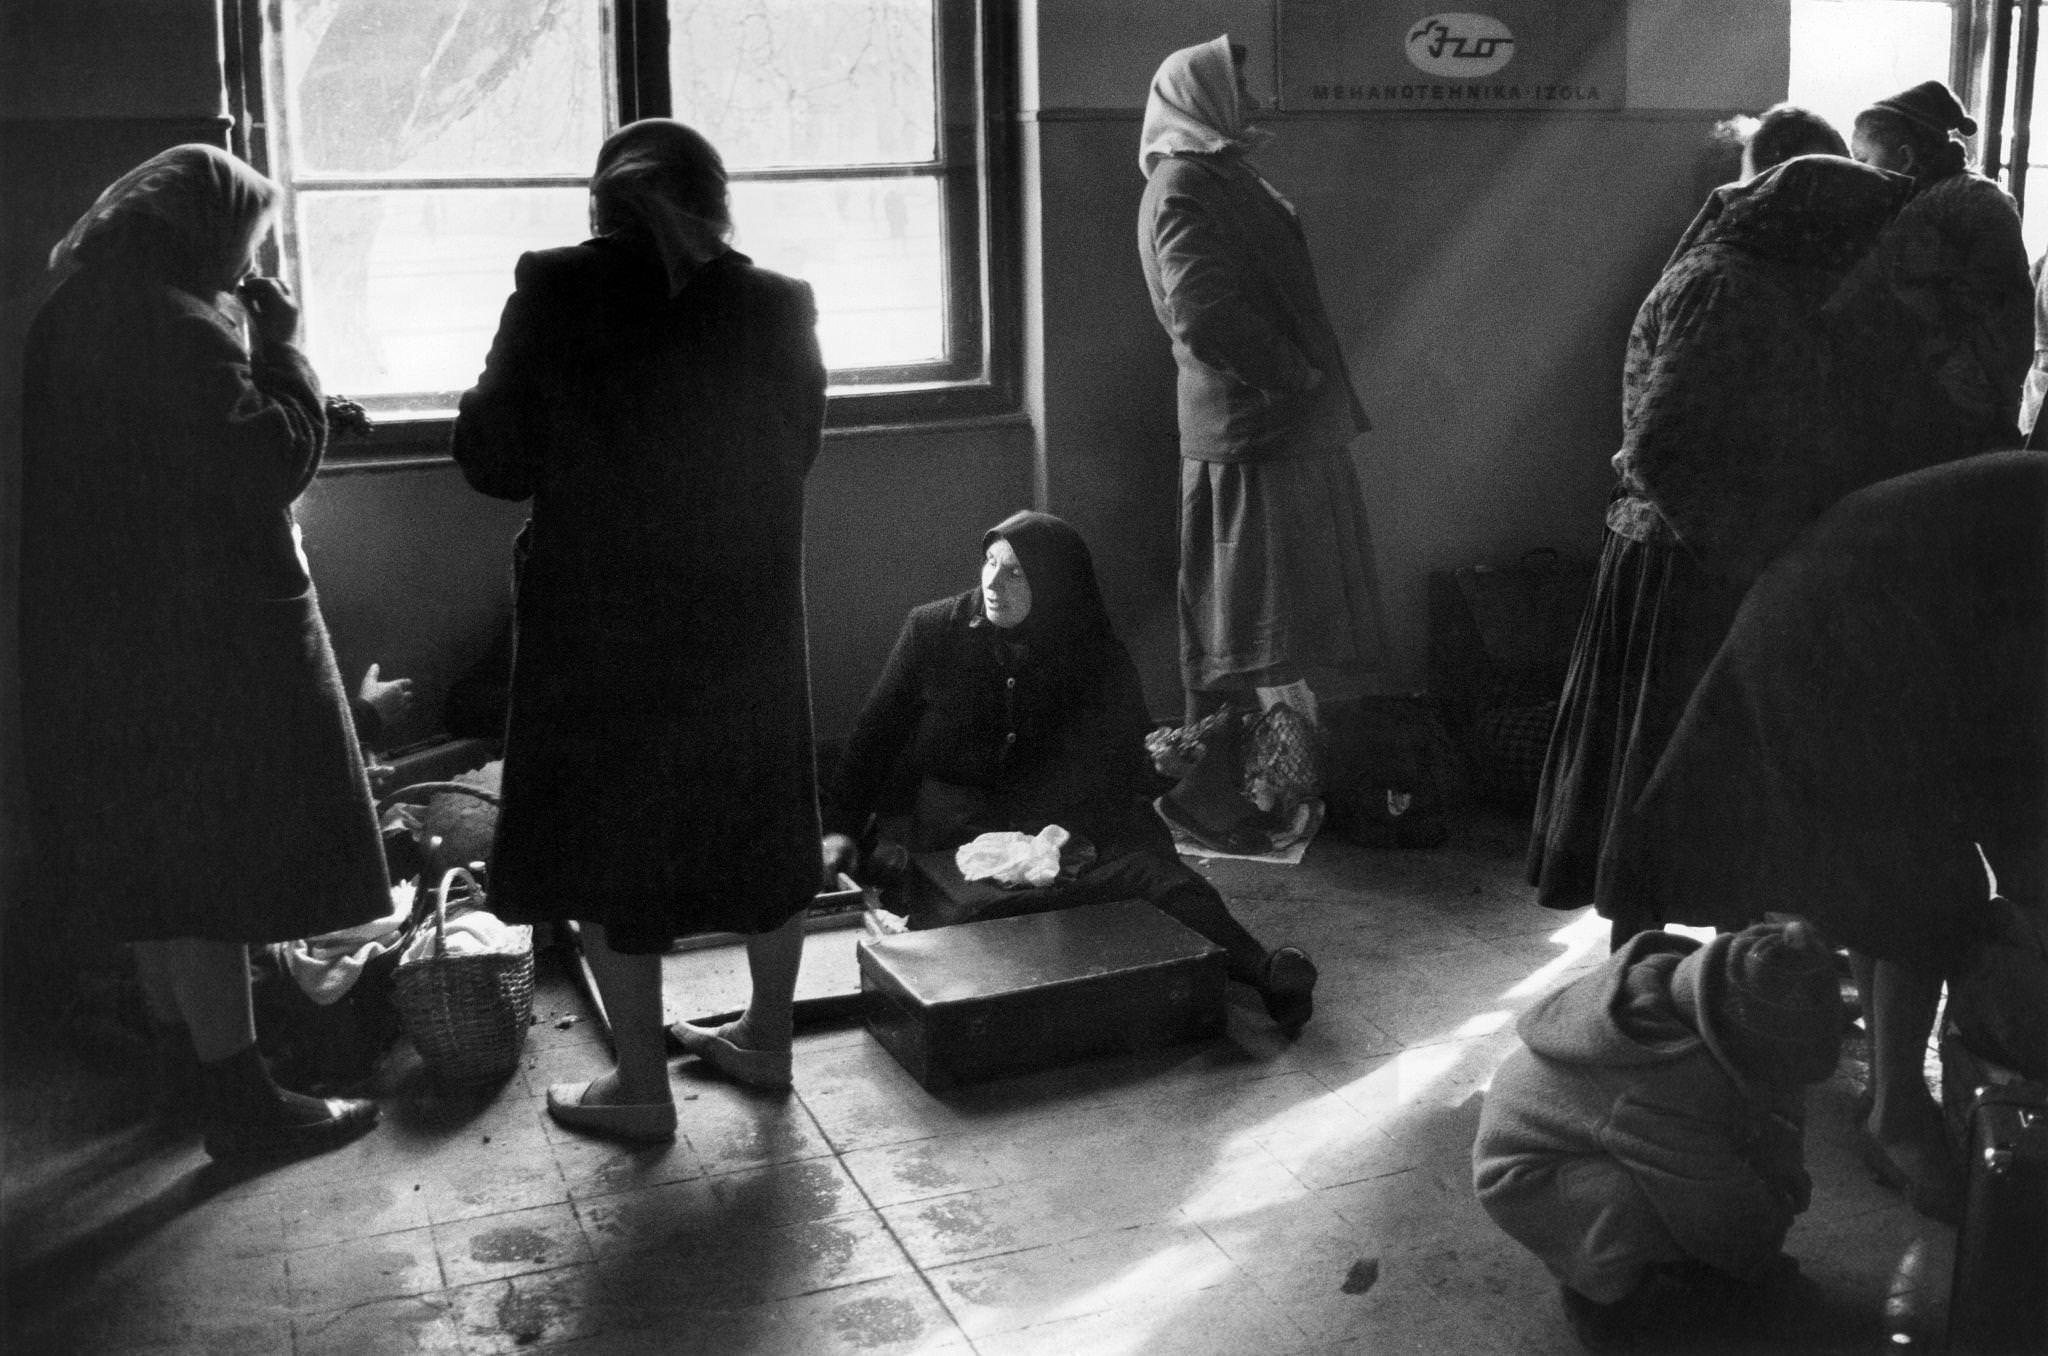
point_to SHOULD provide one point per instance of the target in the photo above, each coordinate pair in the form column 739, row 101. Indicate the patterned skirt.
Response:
column 1650, row 628
column 1276, row 572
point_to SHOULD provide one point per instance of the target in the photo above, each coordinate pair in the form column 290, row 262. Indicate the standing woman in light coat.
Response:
column 1276, row 576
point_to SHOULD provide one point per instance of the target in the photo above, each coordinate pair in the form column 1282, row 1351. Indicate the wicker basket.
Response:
column 467, row 1014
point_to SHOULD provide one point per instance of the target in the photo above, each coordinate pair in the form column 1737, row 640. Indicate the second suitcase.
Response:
column 1998, row 1302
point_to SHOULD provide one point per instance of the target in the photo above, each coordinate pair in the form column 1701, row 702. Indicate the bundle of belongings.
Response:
column 1250, row 781
column 325, row 1012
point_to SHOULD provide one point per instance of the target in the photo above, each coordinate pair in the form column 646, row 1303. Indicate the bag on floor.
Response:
column 1501, row 635
column 466, row 1007
column 1394, row 772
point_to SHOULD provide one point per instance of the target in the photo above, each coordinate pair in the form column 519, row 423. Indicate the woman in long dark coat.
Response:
column 1276, row 572
column 1871, row 736
column 1736, row 434
column 1013, row 706
column 659, row 399
column 193, row 775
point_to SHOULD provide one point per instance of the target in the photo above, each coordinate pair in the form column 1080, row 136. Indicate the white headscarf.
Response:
column 1193, row 106
column 661, row 180
column 190, row 212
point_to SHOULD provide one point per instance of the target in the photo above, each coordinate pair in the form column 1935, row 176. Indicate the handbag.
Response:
column 466, row 1013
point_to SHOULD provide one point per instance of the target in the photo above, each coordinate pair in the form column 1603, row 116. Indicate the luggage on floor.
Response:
column 1500, row 636
column 983, row 1000
column 1998, row 1302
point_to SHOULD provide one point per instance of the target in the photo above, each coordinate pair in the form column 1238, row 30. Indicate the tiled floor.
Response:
column 1249, row 1196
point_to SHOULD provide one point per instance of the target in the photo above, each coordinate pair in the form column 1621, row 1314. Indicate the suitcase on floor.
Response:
column 1006, row 996
column 1998, row 1302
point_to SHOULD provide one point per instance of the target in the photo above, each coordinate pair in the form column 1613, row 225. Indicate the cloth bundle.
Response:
column 1013, row 859
column 327, row 967
column 472, row 932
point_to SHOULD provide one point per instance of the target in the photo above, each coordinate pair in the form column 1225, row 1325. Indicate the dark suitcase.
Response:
column 1998, row 1301
column 1502, row 635
column 1010, row 995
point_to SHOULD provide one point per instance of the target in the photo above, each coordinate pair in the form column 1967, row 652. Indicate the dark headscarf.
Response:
column 184, row 216
column 662, row 181
column 1067, row 623
column 1815, row 211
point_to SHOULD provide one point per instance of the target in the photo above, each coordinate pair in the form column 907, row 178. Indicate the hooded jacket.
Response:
column 1624, row 1133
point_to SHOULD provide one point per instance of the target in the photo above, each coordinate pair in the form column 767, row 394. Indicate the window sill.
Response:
column 421, row 442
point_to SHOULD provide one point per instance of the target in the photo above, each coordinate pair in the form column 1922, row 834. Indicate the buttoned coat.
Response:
column 1261, row 375
column 659, row 771
column 191, row 765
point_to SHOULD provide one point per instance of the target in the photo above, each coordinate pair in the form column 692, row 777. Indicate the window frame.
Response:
column 976, row 77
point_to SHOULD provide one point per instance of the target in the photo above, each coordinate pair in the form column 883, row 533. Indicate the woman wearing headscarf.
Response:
column 659, row 399
column 1734, row 437
column 193, row 775
column 1276, row 576
column 1013, row 706
column 1943, row 307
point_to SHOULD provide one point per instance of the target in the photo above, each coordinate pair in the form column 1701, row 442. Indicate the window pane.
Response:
column 403, row 289
column 806, row 82
column 443, row 86
column 873, row 250
column 1848, row 54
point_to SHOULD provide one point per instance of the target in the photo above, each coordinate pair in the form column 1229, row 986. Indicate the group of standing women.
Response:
column 658, row 399
column 1826, row 325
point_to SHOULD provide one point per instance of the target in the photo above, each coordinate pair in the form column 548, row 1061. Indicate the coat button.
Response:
column 1010, row 738
column 1009, row 682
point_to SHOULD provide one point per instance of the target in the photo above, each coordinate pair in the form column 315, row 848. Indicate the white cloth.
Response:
column 474, row 933
column 328, row 966
column 1010, row 858
column 1193, row 107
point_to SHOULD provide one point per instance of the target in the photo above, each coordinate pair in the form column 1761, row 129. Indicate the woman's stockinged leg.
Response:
column 630, row 987
column 1197, row 904
column 208, row 984
column 773, row 959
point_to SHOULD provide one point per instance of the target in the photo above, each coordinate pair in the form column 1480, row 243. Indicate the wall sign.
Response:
column 1367, row 55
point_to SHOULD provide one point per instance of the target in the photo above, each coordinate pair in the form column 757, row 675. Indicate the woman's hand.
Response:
column 273, row 311
column 389, row 700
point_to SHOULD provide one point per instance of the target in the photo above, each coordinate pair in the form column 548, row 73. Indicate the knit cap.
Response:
column 1769, row 998
column 1932, row 105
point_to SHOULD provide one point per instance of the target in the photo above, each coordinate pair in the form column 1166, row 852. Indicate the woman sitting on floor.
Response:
column 1012, row 706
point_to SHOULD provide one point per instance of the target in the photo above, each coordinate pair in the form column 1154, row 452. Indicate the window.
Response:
column 2012, row 109
column 1848, row 54
column 424, row 144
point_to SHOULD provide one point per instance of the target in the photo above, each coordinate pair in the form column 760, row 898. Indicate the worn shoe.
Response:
column 1288, row 988
column 638, row 1121
column 1937, row 1195
column 346, row 1118
column 757, row 1068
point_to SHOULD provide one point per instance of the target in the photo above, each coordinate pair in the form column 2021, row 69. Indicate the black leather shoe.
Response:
column 347, row 1117
column 1288, row 987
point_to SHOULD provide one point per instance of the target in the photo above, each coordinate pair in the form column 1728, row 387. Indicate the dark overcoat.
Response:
column 191, row 765
column 659, row 771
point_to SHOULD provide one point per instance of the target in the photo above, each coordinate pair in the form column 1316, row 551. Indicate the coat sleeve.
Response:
column 1700, row 1172
column 1209, row 302
column 500, row 426
column 881, row 735
column 263, row 412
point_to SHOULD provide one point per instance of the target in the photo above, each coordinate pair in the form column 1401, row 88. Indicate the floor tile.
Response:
column 495, row 1247
column 731, row 1268
column 400, row 1327
column 334, row 1212
column 1061, row 1281
column 360, row 1271
column 1223, row 1320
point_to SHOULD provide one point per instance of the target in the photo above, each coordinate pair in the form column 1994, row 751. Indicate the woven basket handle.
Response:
column 441, row 905
column 422, row 791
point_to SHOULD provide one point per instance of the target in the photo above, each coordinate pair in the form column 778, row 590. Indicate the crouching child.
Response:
column 1650, row 1127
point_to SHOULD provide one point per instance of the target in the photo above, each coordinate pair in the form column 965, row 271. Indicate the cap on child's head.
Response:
column 1772, row 994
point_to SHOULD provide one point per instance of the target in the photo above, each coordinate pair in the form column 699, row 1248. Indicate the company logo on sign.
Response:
column 1460, row 45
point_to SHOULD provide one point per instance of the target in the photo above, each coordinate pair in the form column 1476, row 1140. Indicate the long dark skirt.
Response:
column 1648, row 632
column 1276, row 571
